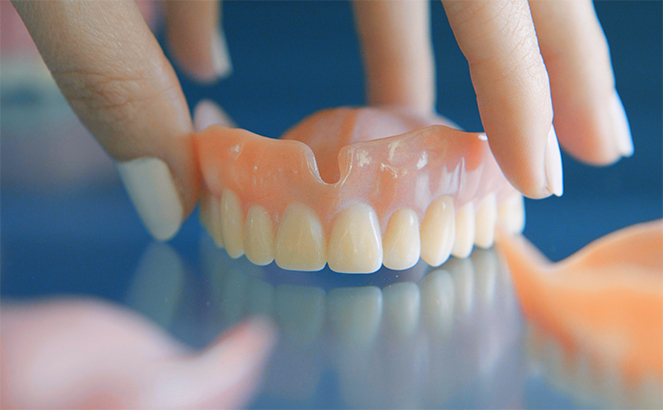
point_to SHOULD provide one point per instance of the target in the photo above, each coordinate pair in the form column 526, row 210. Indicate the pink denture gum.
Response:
column 354, row 188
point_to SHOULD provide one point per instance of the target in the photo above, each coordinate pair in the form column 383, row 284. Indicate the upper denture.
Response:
column 340, row 158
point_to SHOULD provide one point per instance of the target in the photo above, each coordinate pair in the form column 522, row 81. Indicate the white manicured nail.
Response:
column 621, row 129
column 208, row 113
column 554, row 164
column 152, row 191
column 220, row 56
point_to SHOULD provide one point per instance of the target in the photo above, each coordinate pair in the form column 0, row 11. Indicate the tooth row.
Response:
column 355, row 244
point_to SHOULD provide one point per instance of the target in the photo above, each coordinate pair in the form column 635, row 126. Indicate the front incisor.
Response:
column 231, row 224
column 438, row 230
column 401, row 242
column 355, row 245
column 300, row 240
column 486, row 218
column 259, row 236
column 465, row 230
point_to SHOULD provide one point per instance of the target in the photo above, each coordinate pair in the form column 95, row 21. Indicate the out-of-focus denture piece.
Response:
column 355, row 245
column 511, row 213
column 259, row 236
column 486, row 218
column 465, row 231
column 232, row 219
column 390, row 161
column 300, row 240
column 401, row 242
column 607, row 298
column 438, row 231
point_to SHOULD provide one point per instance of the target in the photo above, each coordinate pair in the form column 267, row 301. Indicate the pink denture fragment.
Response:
column 335, row 158
column 607, row 298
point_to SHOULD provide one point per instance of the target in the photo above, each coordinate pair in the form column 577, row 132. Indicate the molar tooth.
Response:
column 437, row 231
column 464, row 231
column 355, row 245
column 210, row 218
column 259, row 236
column 401, row 240
column 511, row 214
column 300, row 240
column 355, row 314
column 231, row 224
column 402, row 302
column 486, row 218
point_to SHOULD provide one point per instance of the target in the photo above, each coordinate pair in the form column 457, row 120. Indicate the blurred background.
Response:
column 68, row 227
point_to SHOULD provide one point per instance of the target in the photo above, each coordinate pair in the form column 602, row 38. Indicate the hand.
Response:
column 516, row 91
column 114, row 74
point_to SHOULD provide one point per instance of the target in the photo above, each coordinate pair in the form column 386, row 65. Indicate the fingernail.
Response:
column 207, row 113
column 621, row 129
column 220, row 56
column 150, row 186
column 554, row 164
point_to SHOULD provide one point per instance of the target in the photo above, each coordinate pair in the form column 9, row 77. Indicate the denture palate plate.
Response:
column 364, row 181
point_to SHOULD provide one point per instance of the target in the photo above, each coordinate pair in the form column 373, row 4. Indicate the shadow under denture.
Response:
column 354, row 189
column 601, row 307
column 397, row 339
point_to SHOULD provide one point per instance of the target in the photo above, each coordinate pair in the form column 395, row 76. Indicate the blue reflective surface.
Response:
column 291, row 59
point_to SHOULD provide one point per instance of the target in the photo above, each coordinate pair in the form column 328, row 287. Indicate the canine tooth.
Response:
column 437, row 301
column 401, row 240
column 438, row 230
column 259, row 236
column 402, row 303
column 210, row 214
column 511, row 214
column 355, row 245
column 300, row 310
column 355, row 314
column 300, row 240
column 486, row 218
column 464, row 231
column 231, row 224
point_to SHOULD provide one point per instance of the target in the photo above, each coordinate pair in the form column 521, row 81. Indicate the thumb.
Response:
column 112, row 71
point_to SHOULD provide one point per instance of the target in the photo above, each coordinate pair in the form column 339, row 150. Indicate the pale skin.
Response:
column 525, row 59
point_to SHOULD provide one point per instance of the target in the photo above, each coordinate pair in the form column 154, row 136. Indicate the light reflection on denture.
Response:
column 336, row 190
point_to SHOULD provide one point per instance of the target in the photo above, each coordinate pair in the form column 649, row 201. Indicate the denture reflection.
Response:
column 597, row 317
column 354, row 189
column 399, row 342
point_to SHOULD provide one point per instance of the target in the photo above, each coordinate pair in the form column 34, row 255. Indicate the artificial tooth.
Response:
column 486, row 218
column 464, row 231
column 402, row 302
column 355, row 245
column 355, row 314
column 438, row 230
column 210, row 218
column 401, row 240
column 300, row 240
column 437, row 301
column 231, row 224
column 511, row 214
column 300, row 310
column 462, row 271
column 259, row 236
